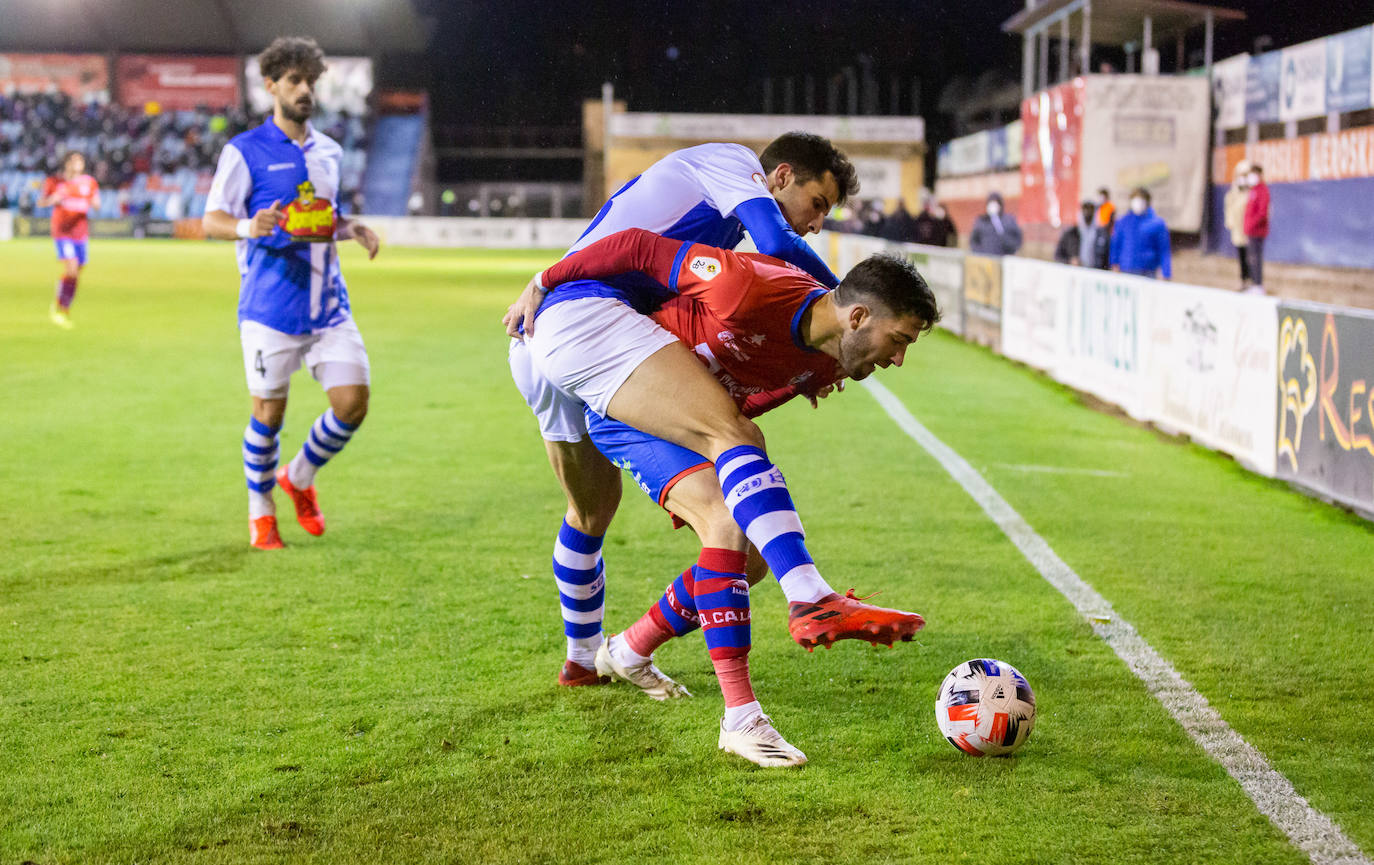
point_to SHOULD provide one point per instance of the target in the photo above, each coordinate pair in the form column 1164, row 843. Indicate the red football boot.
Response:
column 262, row 533
column 574, row 675
column 846, row 617
column 307, row 506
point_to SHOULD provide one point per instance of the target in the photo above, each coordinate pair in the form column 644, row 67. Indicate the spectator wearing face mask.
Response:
column 1233, row 210
column 1106, row 211
column 1140, row 243
column 995, row 232
column 1256, row 227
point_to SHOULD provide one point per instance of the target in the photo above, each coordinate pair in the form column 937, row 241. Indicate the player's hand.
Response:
column 265, row 221
column 824, row 392
column 522, row 311
column 367, row 238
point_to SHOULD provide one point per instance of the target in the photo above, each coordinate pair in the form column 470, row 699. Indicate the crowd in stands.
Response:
column 149, row 164
column 932, row 226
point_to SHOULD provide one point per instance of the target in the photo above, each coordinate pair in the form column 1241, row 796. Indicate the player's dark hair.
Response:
column 811, row 156
column 69, row 155
column 893, row 283
column 286, row 53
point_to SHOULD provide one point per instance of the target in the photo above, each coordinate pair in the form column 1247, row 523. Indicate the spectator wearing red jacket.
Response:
column 1256, row 227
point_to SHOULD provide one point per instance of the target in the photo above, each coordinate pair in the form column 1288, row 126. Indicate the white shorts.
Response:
column 560, row 416
column 335, row 357
column 588, row 346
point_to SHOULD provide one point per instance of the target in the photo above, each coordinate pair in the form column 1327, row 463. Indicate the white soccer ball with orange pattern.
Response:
column 985, row 708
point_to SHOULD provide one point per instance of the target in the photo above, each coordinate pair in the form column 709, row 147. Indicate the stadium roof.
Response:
column 210, row 26
column 1117, row 22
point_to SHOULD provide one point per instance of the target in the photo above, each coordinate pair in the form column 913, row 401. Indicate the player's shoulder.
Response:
column 324, row 142
column 721, row 154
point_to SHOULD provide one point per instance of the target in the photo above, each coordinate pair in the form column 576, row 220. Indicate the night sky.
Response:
column 524, row 63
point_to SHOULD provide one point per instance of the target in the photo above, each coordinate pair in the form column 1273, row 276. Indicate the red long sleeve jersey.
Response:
column 740, row 313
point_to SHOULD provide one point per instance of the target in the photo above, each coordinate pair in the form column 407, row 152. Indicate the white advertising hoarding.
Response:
column 1151, row 131
column 1228, row 89
column 1302, row 81
column 1212, row 356
column 1035, row 297
column 1103, row 341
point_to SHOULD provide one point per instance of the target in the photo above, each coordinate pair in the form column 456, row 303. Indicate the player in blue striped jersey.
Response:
column 273, row 194
column 713, row 194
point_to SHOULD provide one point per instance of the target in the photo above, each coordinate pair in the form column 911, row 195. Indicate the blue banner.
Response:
column 1348, row 72
column 997, row 148
column 1262, row 82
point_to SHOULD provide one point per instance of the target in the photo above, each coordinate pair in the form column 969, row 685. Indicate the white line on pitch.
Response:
column 1060, row 470
column 1308, row 829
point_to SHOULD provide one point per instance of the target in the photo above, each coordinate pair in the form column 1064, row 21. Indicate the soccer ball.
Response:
column 985, row 708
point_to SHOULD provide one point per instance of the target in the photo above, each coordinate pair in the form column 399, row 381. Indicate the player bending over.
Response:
column 711, row 193
column 293, row 304
column 72, row 197
column 767, row 332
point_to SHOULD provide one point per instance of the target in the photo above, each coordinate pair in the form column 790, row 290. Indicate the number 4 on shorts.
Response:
column 259, row 366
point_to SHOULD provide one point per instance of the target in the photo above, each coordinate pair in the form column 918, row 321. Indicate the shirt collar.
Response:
column 279, row 135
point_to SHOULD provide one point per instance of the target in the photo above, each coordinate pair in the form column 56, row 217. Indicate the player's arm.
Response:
column 226, row 207
column 773, row 236
column 49, row 196
column 352, row 229
column 633, row 250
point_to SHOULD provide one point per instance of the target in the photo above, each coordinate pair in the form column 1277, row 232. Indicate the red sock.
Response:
column 733, row 674
column 66, row 292
column 646, row 635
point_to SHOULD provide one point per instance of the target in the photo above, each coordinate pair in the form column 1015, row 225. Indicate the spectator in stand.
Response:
column 934, row 227
column 899, row 226
column 1077, row 245
column 1106, row 211
column 1256, row 227
column 995, row 232
column 872, row 218
column 1140, row 243
column 1233, row 213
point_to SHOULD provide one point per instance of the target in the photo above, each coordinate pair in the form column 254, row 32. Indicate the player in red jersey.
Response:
column 72, row 197
column 768, row 332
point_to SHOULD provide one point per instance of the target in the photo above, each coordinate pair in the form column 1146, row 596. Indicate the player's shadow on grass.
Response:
column 221, row 559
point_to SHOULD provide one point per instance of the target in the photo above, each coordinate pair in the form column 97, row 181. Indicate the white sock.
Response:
column 620, row 648
column 739, row 717
column 582, row 650
column 260, row 505
column 804, row 585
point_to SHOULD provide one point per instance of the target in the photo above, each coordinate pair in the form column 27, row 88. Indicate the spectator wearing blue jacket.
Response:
column 1140, row 243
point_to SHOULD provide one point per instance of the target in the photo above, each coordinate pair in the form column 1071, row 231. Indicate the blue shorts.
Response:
column 654, row 463
column 68, row 249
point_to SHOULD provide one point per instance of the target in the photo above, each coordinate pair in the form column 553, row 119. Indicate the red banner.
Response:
column 80, row 76
column 175, row 82
column 1052, row 124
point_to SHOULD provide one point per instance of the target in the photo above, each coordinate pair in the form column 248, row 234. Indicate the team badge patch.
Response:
column 705, row 267
column 309, row 218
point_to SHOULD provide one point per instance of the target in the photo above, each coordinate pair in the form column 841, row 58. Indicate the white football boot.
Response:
column 759, row 743
column 647, row 677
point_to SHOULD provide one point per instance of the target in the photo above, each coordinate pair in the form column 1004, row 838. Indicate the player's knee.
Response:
column 734, row 432
column 353, row 412
column 755, row 568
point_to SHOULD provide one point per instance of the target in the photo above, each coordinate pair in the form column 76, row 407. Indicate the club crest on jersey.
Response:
column 705, row 267
column 308, row 217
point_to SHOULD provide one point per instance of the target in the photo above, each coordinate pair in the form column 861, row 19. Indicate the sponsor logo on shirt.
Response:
column 705, row 267
column 759, row 179
column 280, row 166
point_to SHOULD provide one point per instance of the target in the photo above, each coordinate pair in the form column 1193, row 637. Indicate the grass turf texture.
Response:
column 387, row 691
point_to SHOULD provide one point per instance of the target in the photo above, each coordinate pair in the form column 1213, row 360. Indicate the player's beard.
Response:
column 299, row 111
column 852, row 352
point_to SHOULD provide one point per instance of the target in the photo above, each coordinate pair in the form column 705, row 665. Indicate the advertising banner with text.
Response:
column 176, row 82
column 1103, row 346
column 1210, row 365
column 83, row 77
column 1035, row 297
column 983, row 301
column 1326, row 401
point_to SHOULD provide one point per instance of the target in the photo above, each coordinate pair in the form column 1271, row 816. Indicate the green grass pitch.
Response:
column 387, row 692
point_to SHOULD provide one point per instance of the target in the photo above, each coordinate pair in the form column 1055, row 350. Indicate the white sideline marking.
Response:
column 1060, row 470
column 1308, row 829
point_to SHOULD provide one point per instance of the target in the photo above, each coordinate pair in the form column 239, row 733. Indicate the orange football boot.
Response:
column 262, row 533
column 574, row 675
column 846, row 617
column 307, row 506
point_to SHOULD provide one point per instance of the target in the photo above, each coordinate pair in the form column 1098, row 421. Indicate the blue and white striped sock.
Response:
column 260, row 467
column 327, row 437
column 581, row 578
column 757, row 496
